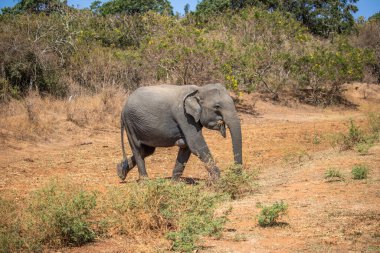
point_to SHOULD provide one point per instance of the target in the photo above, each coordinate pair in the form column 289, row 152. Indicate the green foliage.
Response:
column 64, row 214
column 359, row 172
column 248, row 49
column 37, row 6
column 270, row 214
column 332, row 174
column 57, row 215
column 366, row 37
column 237, row 182
column 183, row 212
column 322, row 71
column 132, row 7
column 33, row 51
column 358, row 139
column 375, row 17
column 322, row 18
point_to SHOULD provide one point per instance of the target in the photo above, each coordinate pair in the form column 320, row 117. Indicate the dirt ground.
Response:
column 290, row 145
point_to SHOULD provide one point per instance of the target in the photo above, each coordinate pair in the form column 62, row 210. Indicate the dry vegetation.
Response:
column 64, row 79
column 69, row 149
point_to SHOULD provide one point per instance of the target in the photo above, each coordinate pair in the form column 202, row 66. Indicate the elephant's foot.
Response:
column 122, row 169
column 214, row 173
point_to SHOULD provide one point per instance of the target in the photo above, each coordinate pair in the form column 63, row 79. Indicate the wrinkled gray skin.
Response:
column 169, row 115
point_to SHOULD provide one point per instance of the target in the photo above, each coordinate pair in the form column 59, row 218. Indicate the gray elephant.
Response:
column 170, row 115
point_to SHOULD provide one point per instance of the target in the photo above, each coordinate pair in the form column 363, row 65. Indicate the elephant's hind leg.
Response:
column 125, row 166
column 182, row 158
column 128, row 164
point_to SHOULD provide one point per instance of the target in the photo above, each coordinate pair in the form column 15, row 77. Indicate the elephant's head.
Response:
column 212, row 106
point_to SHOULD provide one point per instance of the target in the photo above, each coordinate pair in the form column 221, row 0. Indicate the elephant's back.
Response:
column 161, row 92
column 148, row 112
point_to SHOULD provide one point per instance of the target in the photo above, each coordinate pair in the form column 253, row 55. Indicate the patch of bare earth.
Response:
column 292, row 147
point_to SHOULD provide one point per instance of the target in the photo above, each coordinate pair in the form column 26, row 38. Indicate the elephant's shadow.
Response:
column 186, row 180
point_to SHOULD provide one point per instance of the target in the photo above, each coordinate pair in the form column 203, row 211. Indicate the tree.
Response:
column 375, row 17
column 321, row 17
column 37, row 6
column 133, row 7
column 187, row 8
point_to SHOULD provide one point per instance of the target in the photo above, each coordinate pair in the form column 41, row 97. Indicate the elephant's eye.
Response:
column 217, row 107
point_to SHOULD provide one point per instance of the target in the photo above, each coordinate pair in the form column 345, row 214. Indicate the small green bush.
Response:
column 333, row 173
column 237, row 182
column 359, row 172
column 357, row 139
column 64, row 213
column 269, row 214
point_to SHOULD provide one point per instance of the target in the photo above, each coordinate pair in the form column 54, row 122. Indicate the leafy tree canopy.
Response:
column 132, row 7
column 321, row 17
column 375, row 17
column 36, row 6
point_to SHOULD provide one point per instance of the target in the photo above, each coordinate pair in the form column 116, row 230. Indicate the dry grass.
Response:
column 37, row 118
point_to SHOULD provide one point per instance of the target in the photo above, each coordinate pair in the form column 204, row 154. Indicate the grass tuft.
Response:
column 237, row 182
column 359, row 172
column 333, row 174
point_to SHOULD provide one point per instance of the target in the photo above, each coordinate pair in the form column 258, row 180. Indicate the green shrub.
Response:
column 321, row 72
column 359, row 172
column 63, row 212
column 56, row 215
column 182, row 212
column 237, row 182
column 353, row 137
column 357, row 139
column 333, row 173
column 269, row 214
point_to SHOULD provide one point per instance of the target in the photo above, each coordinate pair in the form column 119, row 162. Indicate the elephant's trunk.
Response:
column 233, row 123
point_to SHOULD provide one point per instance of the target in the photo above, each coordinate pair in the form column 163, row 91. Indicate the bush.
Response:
column 357, row 139
column 353, row 137
column 270, row 214
column 248, row 50
column 359, row 172
column 321, row 72
column 182, row 212
column 332, row 173
column 366, row 37
column 63, row 212
column 56, row 215
column 33, row 52
column 236, row 182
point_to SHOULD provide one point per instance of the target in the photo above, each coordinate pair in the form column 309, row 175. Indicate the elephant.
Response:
column 171, row 115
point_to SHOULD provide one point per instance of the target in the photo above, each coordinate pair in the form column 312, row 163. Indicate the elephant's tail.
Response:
column 122, row 129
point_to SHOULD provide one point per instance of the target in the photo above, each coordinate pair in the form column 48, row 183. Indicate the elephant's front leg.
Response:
column 182, row 158
column 198, row 146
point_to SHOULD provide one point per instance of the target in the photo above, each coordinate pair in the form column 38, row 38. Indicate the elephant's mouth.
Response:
column 221, row 126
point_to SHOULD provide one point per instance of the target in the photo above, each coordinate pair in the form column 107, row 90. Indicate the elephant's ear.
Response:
column 192, row 106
